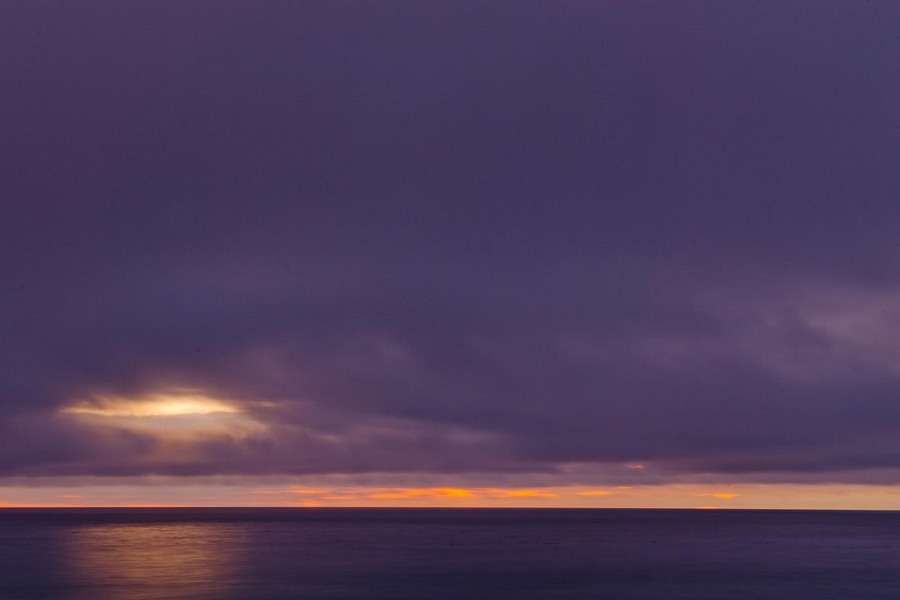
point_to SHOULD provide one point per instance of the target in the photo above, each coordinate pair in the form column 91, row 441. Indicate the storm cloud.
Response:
column 478, row 237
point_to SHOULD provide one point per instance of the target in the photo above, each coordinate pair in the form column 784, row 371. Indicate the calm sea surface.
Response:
column 315, row 554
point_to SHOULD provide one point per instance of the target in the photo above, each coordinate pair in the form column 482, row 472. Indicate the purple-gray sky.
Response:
column 509, row 238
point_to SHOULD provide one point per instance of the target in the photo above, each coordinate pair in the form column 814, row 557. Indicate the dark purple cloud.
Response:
column 446, row 237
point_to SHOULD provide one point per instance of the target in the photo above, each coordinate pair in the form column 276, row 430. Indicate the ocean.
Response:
column 425, row 554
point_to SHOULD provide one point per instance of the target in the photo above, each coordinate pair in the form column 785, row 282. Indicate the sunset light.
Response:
column 449, row 300
column 152, row 405
column 186, row 416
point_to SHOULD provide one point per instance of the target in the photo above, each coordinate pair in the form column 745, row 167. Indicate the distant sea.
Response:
column 423, row 554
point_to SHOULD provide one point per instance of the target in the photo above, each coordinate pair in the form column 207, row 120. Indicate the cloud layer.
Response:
column 506, row 238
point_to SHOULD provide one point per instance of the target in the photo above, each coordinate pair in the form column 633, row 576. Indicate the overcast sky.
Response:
column 567, row 243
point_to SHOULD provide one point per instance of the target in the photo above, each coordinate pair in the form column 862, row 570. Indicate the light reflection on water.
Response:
column 263, row 554
column 138, row 561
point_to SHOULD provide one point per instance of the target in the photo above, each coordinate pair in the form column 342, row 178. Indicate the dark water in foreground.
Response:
column 257, row 554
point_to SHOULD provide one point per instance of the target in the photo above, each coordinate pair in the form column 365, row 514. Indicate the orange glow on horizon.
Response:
column 723, row 495
column 596, row 493
column 521, row 493
column 174, row 493
column 404, row 493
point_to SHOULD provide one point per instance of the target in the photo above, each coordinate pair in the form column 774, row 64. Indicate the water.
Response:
column 267, row 554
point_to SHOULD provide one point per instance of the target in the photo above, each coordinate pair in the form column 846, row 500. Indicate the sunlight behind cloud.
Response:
column 152, row 405
column 176, row 414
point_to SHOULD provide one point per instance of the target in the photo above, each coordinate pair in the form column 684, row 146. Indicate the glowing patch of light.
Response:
column 723, row 495
column 152, row 405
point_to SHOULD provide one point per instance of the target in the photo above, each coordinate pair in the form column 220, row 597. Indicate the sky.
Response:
column 577, row 253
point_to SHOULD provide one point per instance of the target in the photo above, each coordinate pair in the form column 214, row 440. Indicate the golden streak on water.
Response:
column 136, row 561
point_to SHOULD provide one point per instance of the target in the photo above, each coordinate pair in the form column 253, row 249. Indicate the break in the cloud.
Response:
column 581, row 242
